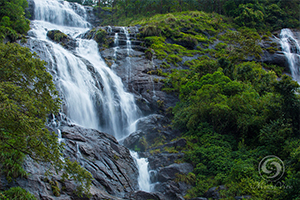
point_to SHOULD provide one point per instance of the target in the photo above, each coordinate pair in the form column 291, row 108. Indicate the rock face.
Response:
column 153, row 138
column 30, row 9
column 128, row 59
column 111, row 165
column 61, row 38
column 273, row 57
column 150, row 129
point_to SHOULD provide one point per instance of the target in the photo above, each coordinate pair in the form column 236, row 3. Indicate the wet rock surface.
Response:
column 274, row 56
column 153, row 139
column 151, row 129
column 129, row 61
column 63, row 39
column 110, row 164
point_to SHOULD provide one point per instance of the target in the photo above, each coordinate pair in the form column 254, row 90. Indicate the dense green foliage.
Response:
column 233, row 113
column 232, row 123
column 12, row 19
column 260, row 14
column 16, row 193
column 28, row 96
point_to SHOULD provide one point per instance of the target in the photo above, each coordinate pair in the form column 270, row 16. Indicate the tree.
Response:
column 12, row 18
column 27, row 97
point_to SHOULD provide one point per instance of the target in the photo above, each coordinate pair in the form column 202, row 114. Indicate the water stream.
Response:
column 144, row 177
column 93, row 95
column 291, row 49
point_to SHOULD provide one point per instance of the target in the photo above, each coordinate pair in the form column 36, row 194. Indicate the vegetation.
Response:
column 232, row 113
column 27, row 97
column 57, row 35
column 232, row 123
column 16, row 193
column 260, row 14
column 12, row 19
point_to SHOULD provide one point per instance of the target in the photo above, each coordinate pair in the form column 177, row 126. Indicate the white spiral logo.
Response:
column 271, row 168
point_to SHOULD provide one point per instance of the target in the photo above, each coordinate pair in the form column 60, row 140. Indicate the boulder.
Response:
column 170, row 190
column 169, row 173
column 61, row 38
column 142, row 195
column 214, row 192
column 150, row 130
column 163, row 159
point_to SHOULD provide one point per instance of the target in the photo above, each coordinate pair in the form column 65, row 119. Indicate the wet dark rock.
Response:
column 169, row 172
column 30, row 9
column 72, row 136
column 163, row 159
column 277, row 57
column 199, row 198
column 110, row 164
column 133, row 70
column 214, row 192
column 142, row 195
column 177, row 144
column 61, row 38
column 170, row 190
column 150, row 130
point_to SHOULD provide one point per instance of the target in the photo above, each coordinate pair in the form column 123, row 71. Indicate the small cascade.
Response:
column 144, row 177
column 291, row 49
column 55, row 124
column 116, row 43
column 59, row 136
column 78, row 153
column 129, row 49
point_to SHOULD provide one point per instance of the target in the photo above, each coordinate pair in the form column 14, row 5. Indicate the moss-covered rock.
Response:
column 100, row 36
column 62, row 38
column 57, row 36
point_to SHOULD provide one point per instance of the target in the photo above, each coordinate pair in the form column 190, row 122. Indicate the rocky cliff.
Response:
column 114, row 171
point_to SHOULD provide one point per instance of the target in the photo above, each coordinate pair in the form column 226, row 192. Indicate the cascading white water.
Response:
column 93, row 96
column 144, row 177
column 129, row 49
column 291, row 49
column 60, row 12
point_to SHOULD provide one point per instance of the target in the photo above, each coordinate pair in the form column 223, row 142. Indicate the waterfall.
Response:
column 291, row 49
column 144, row 177
column 129, row 49
column 93, row 95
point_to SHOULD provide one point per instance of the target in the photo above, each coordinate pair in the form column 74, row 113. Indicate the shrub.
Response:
column 16, row 193
column 100, row 36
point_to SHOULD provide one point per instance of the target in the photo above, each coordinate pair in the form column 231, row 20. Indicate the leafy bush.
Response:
column 100, row 36
column 16, row 193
